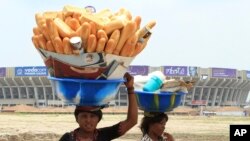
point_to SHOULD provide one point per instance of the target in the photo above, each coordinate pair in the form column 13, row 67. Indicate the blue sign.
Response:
column 2, row 72
column 31, row 71
column 138, row 70
column 175, row 70
column 248, row 74
column 223, row 73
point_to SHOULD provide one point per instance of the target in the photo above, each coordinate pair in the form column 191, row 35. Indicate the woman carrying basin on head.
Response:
column 153, row 126
column 89, row 117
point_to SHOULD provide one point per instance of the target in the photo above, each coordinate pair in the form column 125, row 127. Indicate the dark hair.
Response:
column 151, row 118
column 94, row 110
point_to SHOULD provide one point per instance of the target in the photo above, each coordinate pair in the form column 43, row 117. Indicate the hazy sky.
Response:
column 203, row 33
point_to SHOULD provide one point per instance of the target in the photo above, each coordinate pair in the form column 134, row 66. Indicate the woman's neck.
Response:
column 85, row 136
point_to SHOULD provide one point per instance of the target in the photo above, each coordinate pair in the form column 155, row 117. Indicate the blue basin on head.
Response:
column 158, row 102
column 85, row 92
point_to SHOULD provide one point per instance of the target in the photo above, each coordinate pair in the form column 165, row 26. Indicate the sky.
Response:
column 203, row 33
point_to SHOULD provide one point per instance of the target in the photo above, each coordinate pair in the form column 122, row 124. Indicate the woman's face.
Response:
column 158, row 127
column 87, row 121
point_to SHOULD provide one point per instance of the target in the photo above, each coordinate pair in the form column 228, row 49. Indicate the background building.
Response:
column 213, row 87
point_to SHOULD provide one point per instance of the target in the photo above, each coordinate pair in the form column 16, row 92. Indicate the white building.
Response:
column 213, row 87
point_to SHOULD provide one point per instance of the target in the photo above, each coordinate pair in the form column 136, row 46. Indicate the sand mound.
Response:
column 28, row 136
column 20, row 108
column 182, row 110
column 31, row 109
column 225, row 109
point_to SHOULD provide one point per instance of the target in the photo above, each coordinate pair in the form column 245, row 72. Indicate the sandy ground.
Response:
column 50, row 127
column 48, row 124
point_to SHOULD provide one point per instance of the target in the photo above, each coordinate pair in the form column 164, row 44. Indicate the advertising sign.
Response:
column 31, row 71
column 248, row 74
column 192, row 71
column 199, row 102
column 2, row 72
column 175, row 70
column 138, row 70
column 223, row 73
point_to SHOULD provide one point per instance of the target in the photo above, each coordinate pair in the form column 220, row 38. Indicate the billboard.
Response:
column 248, row 74
column 2, row 72
column 138, row 70
column 192, row 71
column 175, row 70
column 31, row 71
column 199, row 102
column 224, row 73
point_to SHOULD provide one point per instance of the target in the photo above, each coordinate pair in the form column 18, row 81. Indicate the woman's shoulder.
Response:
column 146, row 138
column 68, row 136
column 111, row 131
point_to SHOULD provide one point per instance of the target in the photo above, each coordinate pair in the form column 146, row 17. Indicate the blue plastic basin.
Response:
column 85, row 92
column 158, row 102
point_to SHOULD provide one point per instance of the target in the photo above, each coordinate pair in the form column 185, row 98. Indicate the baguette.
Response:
column 58, row 45
column 69, row 10
column 51, row 29
column 45, row 32
column 102, row 34
column 127, row 31
column 92, row 41
column 67, row 19
column 78, row 31
column 77, row 16
column 115, row 36
column 85, row 17
column 138, row 49
column 129, row 46
column 42, row 41
column 100, row 45
column 60, row 15
column 138, row 22
column 63, row 29
column 50, row 46
column 50, row 14
column 113, row 25
column 67, row 48
column 84, row 34
column 104, row 13
column 73, row 23
column 124, row 13
column 35, row 41
column 40, row 20
column 110, row 46
column 36, row 31
column 93, row 28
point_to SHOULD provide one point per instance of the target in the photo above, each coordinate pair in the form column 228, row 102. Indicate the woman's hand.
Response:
column 129, row 83
column 132, row 114
column 167, row 137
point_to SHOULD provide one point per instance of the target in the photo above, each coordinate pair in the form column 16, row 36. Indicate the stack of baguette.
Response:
column 112, row 33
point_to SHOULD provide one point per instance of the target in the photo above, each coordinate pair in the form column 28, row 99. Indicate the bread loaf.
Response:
column 113, row 25
column 84, row 33
column 127, row 31
column 67, row 48
column 129, row 46
column 100, row 45
column 50, row 46
column 58, row 45
column 63, row 29
column 92, row 43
